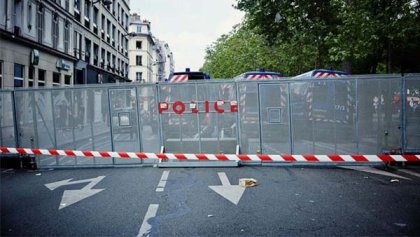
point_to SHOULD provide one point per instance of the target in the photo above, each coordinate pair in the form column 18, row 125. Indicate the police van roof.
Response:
column 185, row 76
column 322, row 73
column 257, row 75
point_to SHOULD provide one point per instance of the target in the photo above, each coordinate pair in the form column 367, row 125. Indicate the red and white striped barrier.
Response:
column 179, row 78
column 215, row 157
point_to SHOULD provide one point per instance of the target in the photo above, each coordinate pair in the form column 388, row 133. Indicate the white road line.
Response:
column 145, row 226
column 162, row 182
column 409, row 172
column 372, row 170
column 5, row 171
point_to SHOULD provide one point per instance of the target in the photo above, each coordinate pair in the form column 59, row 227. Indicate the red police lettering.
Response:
column 193, row 107
column 179, row 107
column 206, row 106
column 233, row 106
column 217, row 108
column 178, row 104
column 162, row 107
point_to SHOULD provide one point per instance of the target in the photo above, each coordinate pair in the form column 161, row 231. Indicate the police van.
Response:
column 177, row 77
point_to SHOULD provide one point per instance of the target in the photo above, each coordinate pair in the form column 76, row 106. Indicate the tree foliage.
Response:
column 294, row 36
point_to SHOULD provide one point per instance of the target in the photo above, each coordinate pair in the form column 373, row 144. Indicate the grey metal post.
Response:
column 53, row 120
column 1, row 118
column 138, row 122
column 238, row 124
column 198, row 120
column 335, row 116
column 259, row 118
column 15, row 119
column 92, row 133
column 357, row 116
column 73, row 123
column 159, row 116
column 404, row 113
column 110, row 123
column 35, row 120
column 291, row 137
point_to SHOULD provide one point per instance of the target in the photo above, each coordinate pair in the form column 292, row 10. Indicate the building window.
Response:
column 67, row 5
column 19, row 75
column 113, row 62
column 77, row 9
column 118, row 39
column 102, row 58
column 126, row 22
column 56, row 79
column 138, row 60
column 139, row 76
column 108, row 62
column 66, row 36
column 77, row 5
column 55, row 30
column 31, row 76
column 138, row 29
column 40, row 22
column 113, row 36
column 41, row 78
column 95, row 20
column 88, row 50
column 118, row 11
column 87, row 13
column 95, row 54
column 29, row 15
column 108, row 31
column 77, row 45
column 1, row 74
column 67, row 80
column 138, row 44
column 103, row 27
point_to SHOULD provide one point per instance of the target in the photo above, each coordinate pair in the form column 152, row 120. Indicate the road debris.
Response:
column 400, row 224
column 247, row 182
column 395, row 181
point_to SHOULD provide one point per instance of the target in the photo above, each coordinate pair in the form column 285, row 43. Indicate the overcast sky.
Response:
column 188, row 26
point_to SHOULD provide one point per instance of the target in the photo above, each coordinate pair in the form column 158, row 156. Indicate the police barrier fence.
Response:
column 352, row 115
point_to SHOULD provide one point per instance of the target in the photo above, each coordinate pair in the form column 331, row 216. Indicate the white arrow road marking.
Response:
column 372, row 170
column 233, row 193
column 72, row 196
column 145, row 226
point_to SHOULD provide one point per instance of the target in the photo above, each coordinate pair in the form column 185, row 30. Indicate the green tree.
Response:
column 362, row 35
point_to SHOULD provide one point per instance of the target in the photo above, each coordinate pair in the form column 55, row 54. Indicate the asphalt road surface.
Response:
column 287, row 201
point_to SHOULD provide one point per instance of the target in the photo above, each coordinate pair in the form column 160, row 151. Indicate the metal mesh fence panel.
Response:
column 301, row 125
column 35, row 123
column 323, row 115
column 412, row 110
column 379, row 119
column 149, row 118
column 7, row 124
column 198, row 117
column 124, row 122
column 274, row 112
